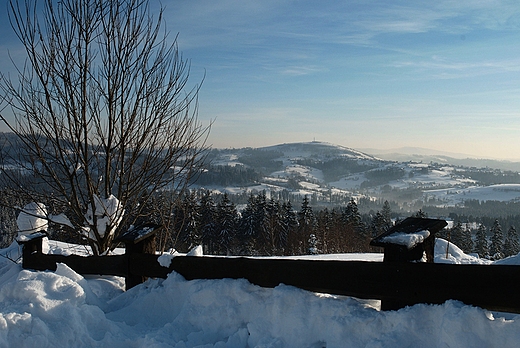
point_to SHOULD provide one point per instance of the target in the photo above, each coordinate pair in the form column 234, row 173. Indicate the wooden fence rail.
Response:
column 494, row 287
column 396, row 284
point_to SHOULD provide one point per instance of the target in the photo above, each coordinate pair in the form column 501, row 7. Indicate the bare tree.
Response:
column 103, row 110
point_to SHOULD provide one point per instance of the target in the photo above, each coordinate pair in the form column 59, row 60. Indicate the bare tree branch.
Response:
column 102, row 106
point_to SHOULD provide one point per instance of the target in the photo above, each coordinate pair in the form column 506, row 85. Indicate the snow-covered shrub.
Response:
column 106, row 216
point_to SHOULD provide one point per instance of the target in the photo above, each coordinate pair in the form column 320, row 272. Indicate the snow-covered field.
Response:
column 64, row 309
column 454, row 196
column 443, row 184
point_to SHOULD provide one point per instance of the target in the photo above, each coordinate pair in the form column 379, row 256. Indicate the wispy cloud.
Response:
column 257, row 29
column 399, row 64
column 446, row 68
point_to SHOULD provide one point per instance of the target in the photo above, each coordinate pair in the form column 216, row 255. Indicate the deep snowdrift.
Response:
column 64, row 309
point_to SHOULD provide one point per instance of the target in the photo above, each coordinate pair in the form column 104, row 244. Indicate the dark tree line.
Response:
column 227, row 175
column 269, row 226
column 265, row 226
column 274, row 226
column 335, row 168
column 490, row 243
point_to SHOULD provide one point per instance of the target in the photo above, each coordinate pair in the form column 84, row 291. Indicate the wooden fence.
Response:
column 396, row 284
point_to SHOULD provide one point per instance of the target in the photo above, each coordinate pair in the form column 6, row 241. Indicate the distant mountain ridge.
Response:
column 320, row 148
column 333, row 174
column 403, row 154
column 416, row 151
column 424, row 155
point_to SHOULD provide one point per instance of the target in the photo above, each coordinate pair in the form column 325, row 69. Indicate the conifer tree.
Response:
column 246, row 231
column 290, row 227
column 190, row 218
column 466, row 243
column 226, row 224
column 420, row 214
column 8, row 226
column 481, row 242
column 281, row 228
column 378, row 224
column 313, row 245
column 274, row 227
column 328, row 242
column 456, row 234
column 337, row 231
column 352, row 217
column 355, row 229
column 382, row 220
column 306, row 224
column 206, row 223
column 511, row 244
column 261, row 222
column 497, row 241
column 386, row 213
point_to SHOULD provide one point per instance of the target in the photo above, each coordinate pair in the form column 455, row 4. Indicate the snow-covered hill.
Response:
column 454, row 196
column 65, row 309
column 331, row 172
column 318, row 150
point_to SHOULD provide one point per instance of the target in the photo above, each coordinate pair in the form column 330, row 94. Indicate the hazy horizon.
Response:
column 405, row 150
column 379, row 74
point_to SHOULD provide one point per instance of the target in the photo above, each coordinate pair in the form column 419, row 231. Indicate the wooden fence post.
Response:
column 400, row 249
column 138, row 240
column 32, row 245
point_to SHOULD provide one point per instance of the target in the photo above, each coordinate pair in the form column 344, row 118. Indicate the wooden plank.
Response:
column 103, row 265
column 396, row 284
column 138, row 233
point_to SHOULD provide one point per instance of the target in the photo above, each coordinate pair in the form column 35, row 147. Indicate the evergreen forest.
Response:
column 265, row 226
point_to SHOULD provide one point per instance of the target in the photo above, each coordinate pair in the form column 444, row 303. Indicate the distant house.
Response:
column 410, row 239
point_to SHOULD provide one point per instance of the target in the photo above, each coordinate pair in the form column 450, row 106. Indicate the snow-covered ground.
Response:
column 454, row 196
column 442, row 184
column 64, row 309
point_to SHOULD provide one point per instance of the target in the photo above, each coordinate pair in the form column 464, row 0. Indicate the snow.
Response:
column 165, row 259
column 511, row 260
column 409, row 240
column 109, row 213
column 453, row 196
column 455, row 255
column 196, row 251
column 65, row 309
column 60, row 219
column 27, row 237
column 32, row 218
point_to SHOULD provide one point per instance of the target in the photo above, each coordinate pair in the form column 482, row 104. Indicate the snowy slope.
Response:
column 316, row 168
column 64, row 309
column 454, row 196
column 319, row 149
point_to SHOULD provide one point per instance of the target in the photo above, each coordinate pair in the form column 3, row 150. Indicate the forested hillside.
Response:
column 313, row 198
column 270, row 226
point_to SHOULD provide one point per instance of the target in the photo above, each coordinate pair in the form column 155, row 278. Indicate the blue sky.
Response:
column 363, row 74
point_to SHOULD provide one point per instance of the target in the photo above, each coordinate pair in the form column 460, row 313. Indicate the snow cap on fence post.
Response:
column 410, row 239
column 32, row 223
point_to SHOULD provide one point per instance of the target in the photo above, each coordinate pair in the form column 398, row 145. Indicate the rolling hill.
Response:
column 332, row 173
